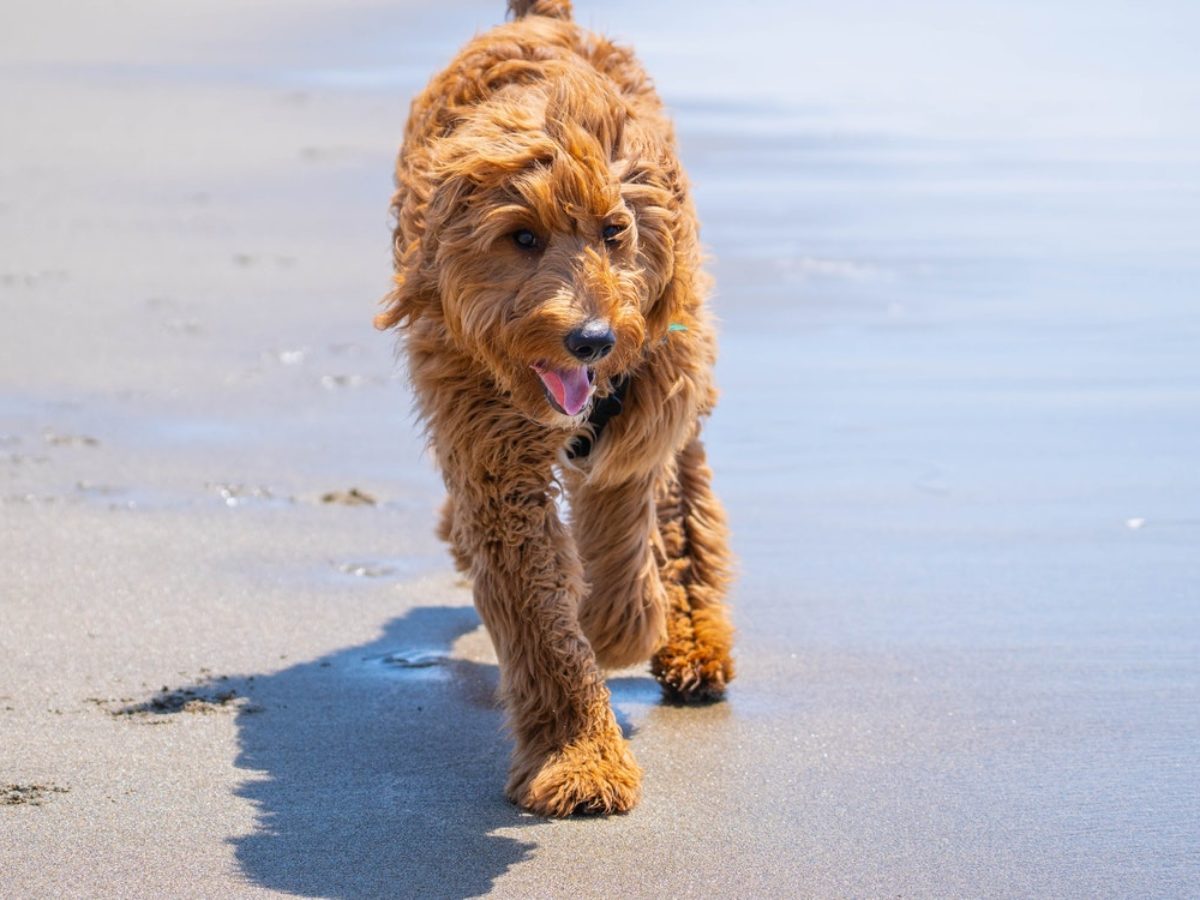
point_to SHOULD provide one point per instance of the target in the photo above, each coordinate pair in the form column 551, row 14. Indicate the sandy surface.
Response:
column 957, row 251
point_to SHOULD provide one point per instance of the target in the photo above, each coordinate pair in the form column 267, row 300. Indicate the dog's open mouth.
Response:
column 568, row 390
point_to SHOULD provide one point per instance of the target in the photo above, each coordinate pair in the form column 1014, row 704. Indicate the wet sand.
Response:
column 957, row 253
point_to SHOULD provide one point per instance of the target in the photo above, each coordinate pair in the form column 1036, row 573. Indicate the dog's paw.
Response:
column 692, row 676
column 586, row 778
column 696, row 663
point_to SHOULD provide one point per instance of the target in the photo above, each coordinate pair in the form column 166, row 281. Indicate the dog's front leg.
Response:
column 624, row 614
column 570, row 755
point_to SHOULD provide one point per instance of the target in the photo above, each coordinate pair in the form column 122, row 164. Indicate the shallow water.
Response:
column 960, row 358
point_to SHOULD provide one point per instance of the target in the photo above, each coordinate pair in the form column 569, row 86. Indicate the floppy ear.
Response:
column 409, row 294
column 669, row 246
column 408, row 298
column 422, row 209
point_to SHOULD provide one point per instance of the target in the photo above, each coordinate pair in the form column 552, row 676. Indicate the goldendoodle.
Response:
column 549, row 290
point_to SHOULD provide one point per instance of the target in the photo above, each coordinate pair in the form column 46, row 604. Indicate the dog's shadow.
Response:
column 375, row 771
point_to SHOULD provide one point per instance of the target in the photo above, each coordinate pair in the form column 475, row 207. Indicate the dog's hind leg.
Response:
column 694, row 665
column 624, row 612
column 570, row 754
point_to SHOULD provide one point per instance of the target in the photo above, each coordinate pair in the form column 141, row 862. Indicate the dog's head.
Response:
column 541, row 234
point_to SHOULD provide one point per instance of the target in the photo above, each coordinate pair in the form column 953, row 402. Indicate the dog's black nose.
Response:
column 591, row 341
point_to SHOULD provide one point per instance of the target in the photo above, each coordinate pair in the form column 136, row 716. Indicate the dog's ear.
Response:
column 669, row 246
column 422, row 211
column 409, row 297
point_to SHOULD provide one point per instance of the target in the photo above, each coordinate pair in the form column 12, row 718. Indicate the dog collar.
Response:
column 602, row 410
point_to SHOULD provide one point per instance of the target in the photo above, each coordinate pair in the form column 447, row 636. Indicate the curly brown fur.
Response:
column 542, row 133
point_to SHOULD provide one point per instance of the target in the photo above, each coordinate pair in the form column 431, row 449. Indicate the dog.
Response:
column 551, row 299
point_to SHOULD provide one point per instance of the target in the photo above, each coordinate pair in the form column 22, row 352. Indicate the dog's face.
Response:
column 548, row 244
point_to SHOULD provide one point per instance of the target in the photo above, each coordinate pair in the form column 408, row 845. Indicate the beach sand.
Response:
column 957, row 253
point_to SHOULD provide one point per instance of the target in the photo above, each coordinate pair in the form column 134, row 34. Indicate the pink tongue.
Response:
column 569, row 387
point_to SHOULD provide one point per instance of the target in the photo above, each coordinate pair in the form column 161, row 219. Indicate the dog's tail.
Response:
column 551, row 9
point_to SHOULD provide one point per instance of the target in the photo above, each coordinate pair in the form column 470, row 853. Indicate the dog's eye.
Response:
column 526, row 239
column 611, row 233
